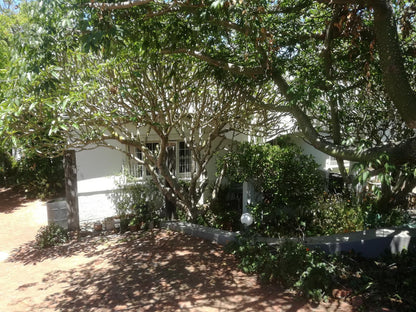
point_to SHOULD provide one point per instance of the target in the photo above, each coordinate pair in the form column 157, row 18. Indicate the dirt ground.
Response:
column 143, row 271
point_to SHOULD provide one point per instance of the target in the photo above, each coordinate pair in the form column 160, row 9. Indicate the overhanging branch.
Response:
column 400, row 153
column 232, row 68
column 118, row 5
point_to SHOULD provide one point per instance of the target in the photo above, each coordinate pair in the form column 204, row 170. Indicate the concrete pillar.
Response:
column 70, row 167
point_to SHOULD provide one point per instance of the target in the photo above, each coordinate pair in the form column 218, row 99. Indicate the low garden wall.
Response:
column 369, row 243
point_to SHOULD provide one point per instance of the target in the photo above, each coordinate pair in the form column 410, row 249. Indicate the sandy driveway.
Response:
column 151, row 271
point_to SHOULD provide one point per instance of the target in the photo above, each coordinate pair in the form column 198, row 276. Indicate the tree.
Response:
column 344, row 69
column 8, row 21
column 130, row 101
column 73, row 97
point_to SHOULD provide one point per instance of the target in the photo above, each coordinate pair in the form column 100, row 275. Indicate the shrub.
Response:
column 254, row 257
column 289, row 183
column 341, row 213
column 8, row 169
column 51, row 235
column 334, row 214
column 291, row 264
column 374, row 218
column 383, row 282
column 39, row 177
column 386, row 281
column 224, row 211
column 138, row 202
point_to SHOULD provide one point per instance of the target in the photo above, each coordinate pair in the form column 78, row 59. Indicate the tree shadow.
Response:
column 11, row 199
column 29, row 253
column 159, row 271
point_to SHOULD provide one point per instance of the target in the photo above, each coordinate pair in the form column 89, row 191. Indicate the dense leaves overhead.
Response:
column 345, row 70
column 308, row 49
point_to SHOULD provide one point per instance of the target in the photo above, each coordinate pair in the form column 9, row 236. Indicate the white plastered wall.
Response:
column 99, row 168
column 97, row 172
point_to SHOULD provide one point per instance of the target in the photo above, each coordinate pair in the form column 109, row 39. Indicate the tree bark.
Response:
column 396, row 81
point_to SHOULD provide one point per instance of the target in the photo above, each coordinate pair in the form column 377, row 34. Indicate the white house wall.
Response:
column 97, row 172
column 319, row 157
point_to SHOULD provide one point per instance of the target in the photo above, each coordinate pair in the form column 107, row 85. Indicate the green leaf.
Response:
column 365, row 176
column 218, row 4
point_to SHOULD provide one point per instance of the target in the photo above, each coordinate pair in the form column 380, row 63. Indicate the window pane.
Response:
column 138, row 169
column 184, row 158
column 153, row 147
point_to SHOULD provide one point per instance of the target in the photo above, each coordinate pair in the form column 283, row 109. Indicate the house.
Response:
column 99, row 171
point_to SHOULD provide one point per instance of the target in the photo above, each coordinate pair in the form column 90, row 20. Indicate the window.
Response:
column 185, row 160
column 179, row 159
column 137, row 170
column 153, row 147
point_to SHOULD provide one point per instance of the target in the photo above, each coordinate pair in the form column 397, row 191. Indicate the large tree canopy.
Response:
column 71, row 92
column 331, row 61
column 344, row 69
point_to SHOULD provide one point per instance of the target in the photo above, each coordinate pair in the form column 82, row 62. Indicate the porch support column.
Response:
column 70, row 167
column 247, row 195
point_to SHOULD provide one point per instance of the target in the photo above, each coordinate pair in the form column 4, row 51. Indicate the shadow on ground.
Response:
column 89, row 246
column 156, row 271
column 10, row 200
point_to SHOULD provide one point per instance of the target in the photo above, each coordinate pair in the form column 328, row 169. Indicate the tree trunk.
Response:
column 395, row 77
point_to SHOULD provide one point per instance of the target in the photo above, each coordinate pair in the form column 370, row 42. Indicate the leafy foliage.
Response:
column 74, row 85
column 288, row 181
column 329, row 65
column 38, row 176
column 50, row 236
column 291, row 264
column 139, row 203
column 224, row 211
column 380, row 282
column 319, row 62
column 344, row 213
column 7, row 168
column 383, row 281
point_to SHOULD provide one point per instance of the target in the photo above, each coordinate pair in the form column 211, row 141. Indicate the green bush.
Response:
column 374, row 218
column 386, row 281
column 289, row 183
column 254, row 257
column 335, row 214
column 223, row 212
column 51, row 235
column 138, row 203
column 291, row 264
column 341, row 213
column 8, row 169
column 39, row 177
